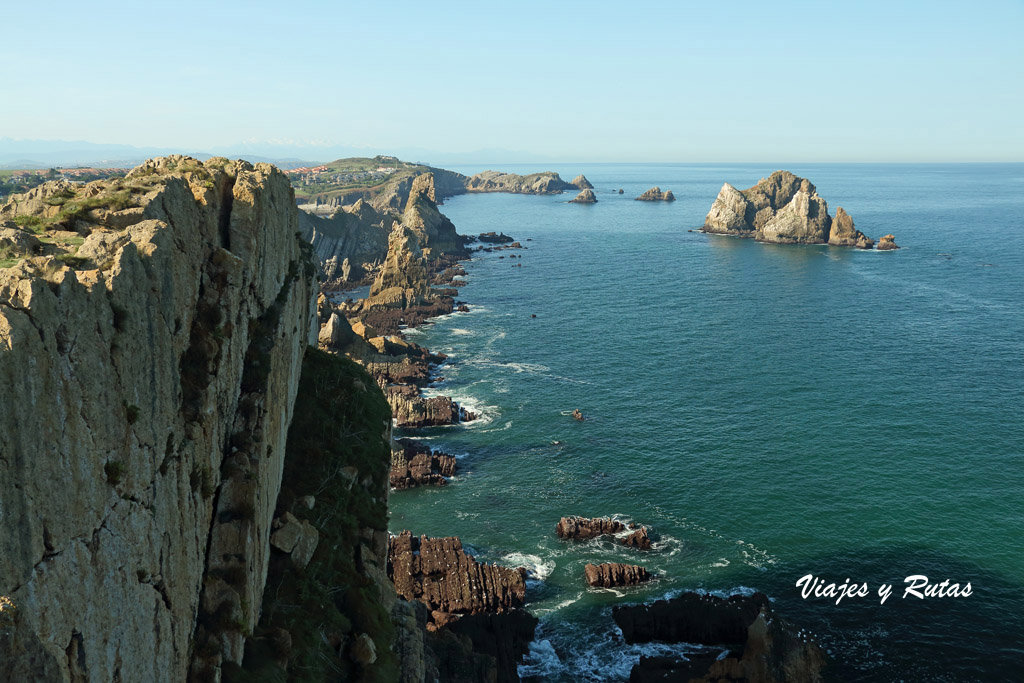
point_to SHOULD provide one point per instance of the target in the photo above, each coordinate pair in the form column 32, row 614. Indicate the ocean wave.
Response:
column 537, row 569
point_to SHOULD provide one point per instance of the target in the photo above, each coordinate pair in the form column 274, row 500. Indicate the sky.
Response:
column 595, row 81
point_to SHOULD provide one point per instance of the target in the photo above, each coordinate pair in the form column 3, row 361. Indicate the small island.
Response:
column 584, row 197
column 656, row 195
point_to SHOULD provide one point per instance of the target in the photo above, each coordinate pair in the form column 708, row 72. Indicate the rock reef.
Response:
column 656, row 195
column 583, row 528
column 782, row 208
column 615, row 575
column 762, row 647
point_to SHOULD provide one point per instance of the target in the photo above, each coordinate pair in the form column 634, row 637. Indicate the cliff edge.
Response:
column 151, row 343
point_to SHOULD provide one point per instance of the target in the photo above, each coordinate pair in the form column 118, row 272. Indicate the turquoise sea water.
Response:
column 771, row 411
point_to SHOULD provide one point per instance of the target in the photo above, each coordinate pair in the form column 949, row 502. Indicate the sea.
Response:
column 768, row 411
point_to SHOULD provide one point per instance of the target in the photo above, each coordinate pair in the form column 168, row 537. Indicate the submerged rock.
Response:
column 614, row 574
column 656, row 195
column 584, row 197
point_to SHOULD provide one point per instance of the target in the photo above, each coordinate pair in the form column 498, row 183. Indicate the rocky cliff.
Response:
column 781, row 208
column 151, row 357
column 349, row 243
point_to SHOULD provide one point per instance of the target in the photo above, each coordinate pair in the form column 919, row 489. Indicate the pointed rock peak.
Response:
column 582, row 183
column 422, row 186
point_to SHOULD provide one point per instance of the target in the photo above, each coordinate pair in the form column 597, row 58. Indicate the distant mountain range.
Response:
column 25, row 154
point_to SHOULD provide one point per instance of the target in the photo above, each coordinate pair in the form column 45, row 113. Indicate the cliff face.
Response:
column 781, row 208
column 150, row 376
column 348, row 243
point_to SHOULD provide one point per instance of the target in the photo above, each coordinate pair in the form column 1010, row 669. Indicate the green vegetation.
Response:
column 131, row 413
column 348, row 175
column 340, row 421
column 114, row 471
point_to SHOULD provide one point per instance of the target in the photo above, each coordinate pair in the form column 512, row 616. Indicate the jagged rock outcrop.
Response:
column 441, row 575
column 887, row 242
column 844, row 234
column 584, row 197
column 437, row 235
column 580, row 182
column 494, row 238
column 615, row 574
column 548, row 182
column 638, row 539
column 349, row 243
column 781, row 208
column 656, row 195
column 763, row 648
column 150, row 378
column 415, row 464
column 412, row 411
column 583, row 528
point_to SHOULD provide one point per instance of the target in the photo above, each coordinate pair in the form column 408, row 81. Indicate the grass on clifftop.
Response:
column 340, row 421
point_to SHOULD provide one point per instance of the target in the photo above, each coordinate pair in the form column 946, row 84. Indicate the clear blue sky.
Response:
column 595, row 81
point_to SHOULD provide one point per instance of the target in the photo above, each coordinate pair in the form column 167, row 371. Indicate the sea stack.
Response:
column 656, row 195
column 887, row 243
column 781, row 208
column 582, row 183
column 584, row 197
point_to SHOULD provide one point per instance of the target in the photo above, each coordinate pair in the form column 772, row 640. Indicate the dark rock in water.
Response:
column 844, row 234
column 533, row 315
column 494, row 238
column 763, row 648
column 584, row 197
column 582, row 528
column 638, row 539
column 656, row 195
column 621, row 191
column 483, row 647
column 612, row 575
column 887, row 242
column 441, row 575
column 463, row 308
column 415, row 464
column 582, row 183
column 577, row 415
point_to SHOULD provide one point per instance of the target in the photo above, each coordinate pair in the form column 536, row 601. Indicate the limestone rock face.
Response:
column 656, row 195
column 163, row 380
column 614, row 574
column 548, row 182
column 844, row 234
column 581, row 182
column 763, row 648
column 728, row 213
column 437, row 235
column 356, row 235
column 584, row 197
column 804, row 219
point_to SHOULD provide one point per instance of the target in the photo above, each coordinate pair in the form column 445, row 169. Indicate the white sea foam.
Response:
column 462, row 332
column 537, row 568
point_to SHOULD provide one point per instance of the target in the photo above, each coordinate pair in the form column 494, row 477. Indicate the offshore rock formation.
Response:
column 638, row 539
column 656, row 195
column 887, row 242
column 160, row 359
column 415, row 464
column 844, row 234
column 580, row 182
column 548, row 182
column 584, row 197
column 782, row 208
column 583, row 528
column 763, row 648
column 614, row 575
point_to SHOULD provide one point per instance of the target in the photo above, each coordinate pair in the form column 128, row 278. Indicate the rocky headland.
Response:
column 782, row 208
column 547, row 182
column 656, row 195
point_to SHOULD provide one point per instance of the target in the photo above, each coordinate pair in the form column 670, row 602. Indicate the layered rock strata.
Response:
column 548, row 182
column 150, row 375
column 583, row 528
column 781, row 208
column 416, row 464
column 762, row 647
column 615, row 575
